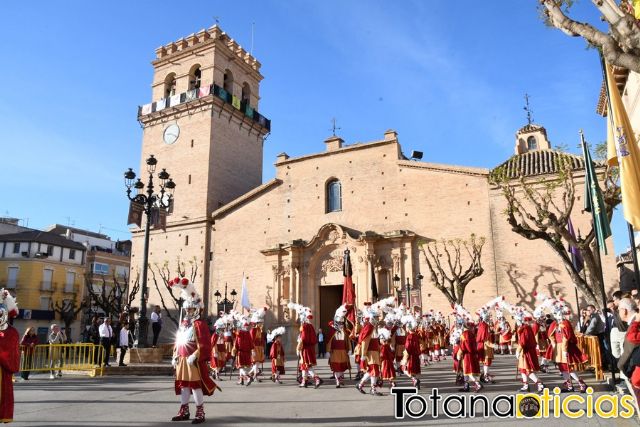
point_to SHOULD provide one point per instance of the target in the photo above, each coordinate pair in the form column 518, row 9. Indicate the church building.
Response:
column 287, row 236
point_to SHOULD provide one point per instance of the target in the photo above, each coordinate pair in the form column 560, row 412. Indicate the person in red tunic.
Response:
column 387, row 357
column 338, row 345
column 276, row 354
column 629, row 362
column 242, row 349
column 564, row 348
column 369, row 346
column 411, row 358
column 454, row 340
column 306, row 347
column 539, row 329
column 9, row 354
column 191, row 353
column 526, row 351
column 506, row 335
column 218, row 347
column 258, row 337
column 484, row 339
column 468, row 355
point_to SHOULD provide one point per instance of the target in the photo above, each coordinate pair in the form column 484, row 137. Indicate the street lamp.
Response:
column 149, row 202
column 225, row 303
column 396, row 285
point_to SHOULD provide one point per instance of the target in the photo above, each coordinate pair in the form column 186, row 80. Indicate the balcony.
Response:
column 202, row 92
column 9, row 284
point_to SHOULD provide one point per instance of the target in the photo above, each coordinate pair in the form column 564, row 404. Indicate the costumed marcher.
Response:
column 257, row 355
column 306, row 347
column 9, row 354
column 387, row 357
column 411, row 357
column 484, row 339
column 468, row 352
column 564, row 349
column 191, row 352
column 338, row 345
column 276, row 354
column 506, row 334
column 369, row 350
column 525, row 342
column 454, row 341
column 369, row 344
column 539, row 327
column 399, row 337
column 218, row 347
column 439, row 343
column 242, row 349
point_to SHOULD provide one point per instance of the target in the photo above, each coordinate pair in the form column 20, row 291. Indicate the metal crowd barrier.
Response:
column 62, row 357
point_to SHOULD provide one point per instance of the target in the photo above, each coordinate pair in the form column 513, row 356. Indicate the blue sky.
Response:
column 448, row 76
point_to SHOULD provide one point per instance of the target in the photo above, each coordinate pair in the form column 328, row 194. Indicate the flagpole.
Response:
column 634, row 256
column 594, row 225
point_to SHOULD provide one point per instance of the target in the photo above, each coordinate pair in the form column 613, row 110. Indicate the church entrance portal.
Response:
column 330, row 300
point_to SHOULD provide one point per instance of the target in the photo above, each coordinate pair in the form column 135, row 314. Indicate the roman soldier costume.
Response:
column 411, row 357
column 369, row 346
column 257, row 355
column 218, row 348
column 468, row 351
column 276, row 354
column 484, row 341
column 387, row 357
column 242, row 349
column 191, row 352
column 564, row 348
column 9, row 354
column 338, row 345
column 306, row 348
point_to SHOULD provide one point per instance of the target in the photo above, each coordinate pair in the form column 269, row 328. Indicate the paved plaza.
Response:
column 150, row 401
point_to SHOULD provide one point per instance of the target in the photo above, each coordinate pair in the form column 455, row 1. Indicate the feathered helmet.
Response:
column 257, row 315
column 390, row 319
column 409, row 322
column 304, row 313
column 560, row 309
column 188, row 293
column 240, row 321
column 277, row 332
column 8, row 308
column 462, row 315
column 339, row 316
column 384, row 334
column 370, row 311
column 520, row 314
column 544, row 303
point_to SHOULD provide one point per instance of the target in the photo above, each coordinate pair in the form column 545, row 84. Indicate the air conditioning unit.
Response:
column 42, row 255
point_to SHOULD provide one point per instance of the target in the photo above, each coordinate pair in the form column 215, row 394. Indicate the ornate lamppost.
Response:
column 149, row 202
column 398, row 288
column 225, row 303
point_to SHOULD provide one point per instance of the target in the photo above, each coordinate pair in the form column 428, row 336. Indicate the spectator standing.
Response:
column 321, row 345
column 125, row 342
column 106, row 336
column 28, row 343
column 595, row 328
column 267, row 349
column 94, row 335
column 156, row 324
column 56, row 339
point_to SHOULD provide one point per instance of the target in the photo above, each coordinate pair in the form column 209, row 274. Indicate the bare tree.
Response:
column 619, row 44
column 162, row 274
column 540, row 209
column 68, row 309
column 112, row 298
column 445, row 260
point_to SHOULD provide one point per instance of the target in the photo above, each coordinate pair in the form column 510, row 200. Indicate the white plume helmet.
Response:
column 384, row 333
column 409, row 322
column 454, row 338
column 304, row 313
column 461, row 312
column 560, row 309
column 188, row 293
column 390, row 318
column 544, row 303
column 240, row 321
column 385, row 305
column 220, row 323
column 370, row 311
column 8, row 307
column 257, row 315
column 340, row 314
column 400, row 310
column 279, row 331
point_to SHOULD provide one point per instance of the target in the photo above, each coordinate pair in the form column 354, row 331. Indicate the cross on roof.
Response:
column 334, row 127
column 527, row 108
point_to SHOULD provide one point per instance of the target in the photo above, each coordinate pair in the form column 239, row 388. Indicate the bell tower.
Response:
column 204, row 127
column 531, row 137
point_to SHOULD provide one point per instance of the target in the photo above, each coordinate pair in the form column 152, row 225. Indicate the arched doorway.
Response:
column 330, row 300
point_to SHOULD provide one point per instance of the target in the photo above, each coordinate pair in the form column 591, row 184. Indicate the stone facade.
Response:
column 288, row 244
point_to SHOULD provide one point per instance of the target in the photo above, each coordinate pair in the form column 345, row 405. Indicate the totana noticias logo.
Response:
column 408, row 403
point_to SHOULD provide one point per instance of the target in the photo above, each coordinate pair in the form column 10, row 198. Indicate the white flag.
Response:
column 244, row 294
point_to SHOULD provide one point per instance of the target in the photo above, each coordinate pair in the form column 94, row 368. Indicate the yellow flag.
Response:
column 636, row 8
column 622, row 149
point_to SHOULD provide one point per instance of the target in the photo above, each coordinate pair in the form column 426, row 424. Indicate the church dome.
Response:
column 538, row 162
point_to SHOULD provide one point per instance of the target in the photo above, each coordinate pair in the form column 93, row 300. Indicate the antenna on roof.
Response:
column 252, row 27
column 527, row 108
